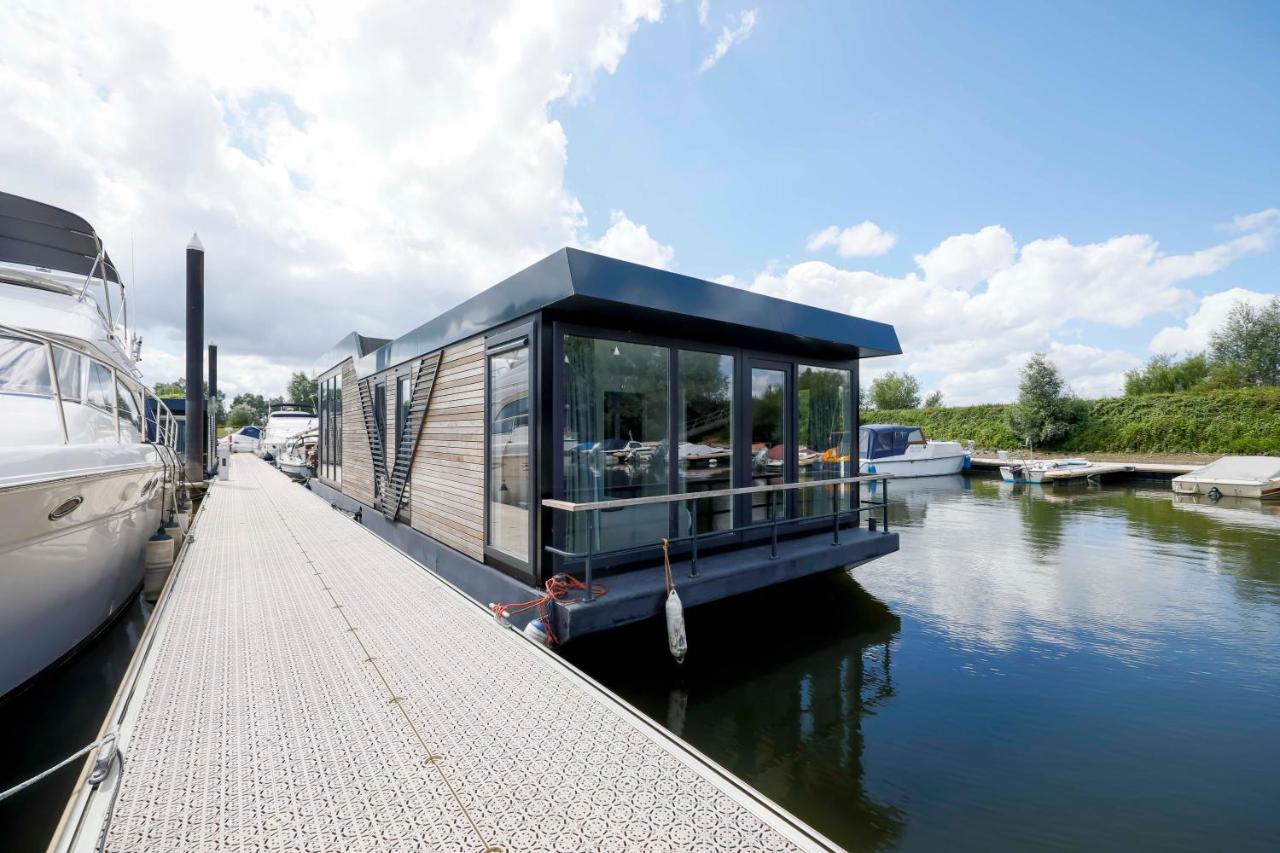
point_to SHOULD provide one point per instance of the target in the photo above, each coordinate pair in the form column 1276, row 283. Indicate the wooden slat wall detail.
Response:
column 448, row 466
column 357, row 462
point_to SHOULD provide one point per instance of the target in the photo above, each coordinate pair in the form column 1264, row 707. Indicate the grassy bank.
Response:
column 1244, row 421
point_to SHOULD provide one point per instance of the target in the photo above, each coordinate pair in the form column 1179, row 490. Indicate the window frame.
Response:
column 524, row 333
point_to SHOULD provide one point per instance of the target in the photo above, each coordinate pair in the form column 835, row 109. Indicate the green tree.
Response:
column 1046, row 411
column 1166, row 375
column 255, row 403
column 240, row 415
column 896, row 391
column 302, row 389
column 934, row 400
column 179, row 389
column 1249, row 339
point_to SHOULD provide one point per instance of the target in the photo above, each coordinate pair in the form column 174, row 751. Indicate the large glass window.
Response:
column 705, row 418
column 768, row 437
column 70, row 373
column 508, row 516
column 823, row 398
column 101, row 389
column 616, row 442
column 24, row 368
column 31, row 413
column 130, row 417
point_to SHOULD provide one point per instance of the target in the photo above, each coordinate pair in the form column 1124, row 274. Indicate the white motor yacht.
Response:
column 903, row 451
column 87, row 464
column 283, row 424
column 298, row 457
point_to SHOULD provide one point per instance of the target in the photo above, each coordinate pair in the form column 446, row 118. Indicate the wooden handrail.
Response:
column 570, row 506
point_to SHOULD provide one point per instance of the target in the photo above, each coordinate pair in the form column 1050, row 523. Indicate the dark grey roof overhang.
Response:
column 580, row 286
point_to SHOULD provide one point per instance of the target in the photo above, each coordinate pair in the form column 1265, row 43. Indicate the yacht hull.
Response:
column 932, row 466
column 71, row 555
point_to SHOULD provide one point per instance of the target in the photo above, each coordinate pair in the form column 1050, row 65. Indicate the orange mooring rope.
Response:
column 559, row 587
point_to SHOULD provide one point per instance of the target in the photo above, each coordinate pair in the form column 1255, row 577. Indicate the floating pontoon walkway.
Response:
column 308, row 687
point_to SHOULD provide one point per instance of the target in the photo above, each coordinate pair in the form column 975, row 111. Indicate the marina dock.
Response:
column 1096, row 470
column 305, row 685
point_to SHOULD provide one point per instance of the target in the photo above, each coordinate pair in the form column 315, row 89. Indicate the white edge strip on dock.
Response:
column 89, row 809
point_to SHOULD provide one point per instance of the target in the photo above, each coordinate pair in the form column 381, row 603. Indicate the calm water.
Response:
column 53, row 719
column 1082, row 668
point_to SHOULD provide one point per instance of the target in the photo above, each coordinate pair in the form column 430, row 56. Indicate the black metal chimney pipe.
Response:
column 195, row 361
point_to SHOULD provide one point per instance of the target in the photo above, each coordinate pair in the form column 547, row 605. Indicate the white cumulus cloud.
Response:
column 1194, row 334
column 866, row 239
column 738, row 28
column 631, row 242
column 979, row 304
column 373, row 161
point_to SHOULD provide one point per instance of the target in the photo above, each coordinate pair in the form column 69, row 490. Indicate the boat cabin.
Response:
column 876, row 441
column 574, row 416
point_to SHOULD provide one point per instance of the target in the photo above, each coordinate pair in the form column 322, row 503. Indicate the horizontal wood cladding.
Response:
column 448, row 464
column 357, row 462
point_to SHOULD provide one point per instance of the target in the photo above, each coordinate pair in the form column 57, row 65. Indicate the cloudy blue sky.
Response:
column 1099, row 181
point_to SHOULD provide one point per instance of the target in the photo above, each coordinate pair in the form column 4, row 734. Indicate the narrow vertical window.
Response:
column 824, row 397
column 705, row 419
column 508, row 463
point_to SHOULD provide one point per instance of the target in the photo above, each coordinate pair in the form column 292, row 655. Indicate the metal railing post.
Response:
column 884, row 509
column 693, row 526
column 835, row 516
column 773, row 519
column 591, row 550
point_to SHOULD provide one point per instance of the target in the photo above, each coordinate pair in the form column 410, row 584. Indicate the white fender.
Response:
column 677, row 641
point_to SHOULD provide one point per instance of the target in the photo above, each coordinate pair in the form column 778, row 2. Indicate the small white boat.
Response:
column 1234, row 476
column 298, row 458
column 1035, row 471
column 903, row 451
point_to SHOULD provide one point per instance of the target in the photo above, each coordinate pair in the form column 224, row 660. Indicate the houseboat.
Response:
column 568, row 424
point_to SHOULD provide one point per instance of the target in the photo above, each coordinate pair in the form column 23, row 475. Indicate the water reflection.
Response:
column 776, row 689
column 57, row 716
column 1062, row 668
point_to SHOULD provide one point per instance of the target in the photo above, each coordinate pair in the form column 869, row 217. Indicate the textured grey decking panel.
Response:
column 312, row 688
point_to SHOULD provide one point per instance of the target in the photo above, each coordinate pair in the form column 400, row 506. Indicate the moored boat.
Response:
column 903, row 451
column 298, row 457
column 86, row 459
column 1234, row 476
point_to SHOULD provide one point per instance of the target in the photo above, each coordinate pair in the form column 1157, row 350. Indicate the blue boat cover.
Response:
column 876, row 441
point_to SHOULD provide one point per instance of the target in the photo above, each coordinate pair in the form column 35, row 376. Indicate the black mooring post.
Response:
column 195, row 361
column 212, row 443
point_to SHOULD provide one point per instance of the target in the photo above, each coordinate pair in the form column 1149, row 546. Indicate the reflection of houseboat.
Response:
column 903, row 451
column 566, row 386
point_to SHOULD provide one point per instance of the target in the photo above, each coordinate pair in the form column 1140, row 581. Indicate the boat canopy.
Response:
column 876, row 441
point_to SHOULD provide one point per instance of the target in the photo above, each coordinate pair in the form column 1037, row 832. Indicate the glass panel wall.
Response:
column 705, row 419
column 823, row 396
column 508, row 463
column 768, row 431
column 616, row 441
